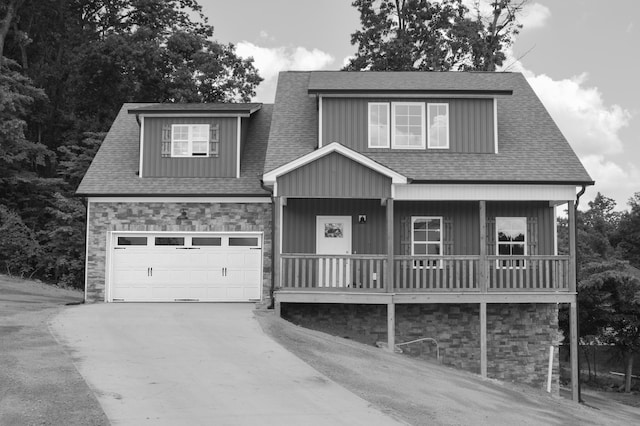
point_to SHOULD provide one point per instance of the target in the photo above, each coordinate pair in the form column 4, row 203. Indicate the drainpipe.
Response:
column 273, row 227
column 575, row 225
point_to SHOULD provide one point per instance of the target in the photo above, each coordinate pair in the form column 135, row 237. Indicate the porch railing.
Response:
column 425, row 274
column 336, row 273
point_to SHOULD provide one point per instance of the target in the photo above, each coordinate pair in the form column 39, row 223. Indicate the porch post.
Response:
column 483, row 339
column 277, row 250
column 573, row 312
column 389, row 285
column 483, row 267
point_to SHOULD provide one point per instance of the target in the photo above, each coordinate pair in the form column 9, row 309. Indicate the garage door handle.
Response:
column 187, row 248
column 255, row 248
column 149, row 272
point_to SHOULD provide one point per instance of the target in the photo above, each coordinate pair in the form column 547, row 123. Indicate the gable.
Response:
column 334, row 176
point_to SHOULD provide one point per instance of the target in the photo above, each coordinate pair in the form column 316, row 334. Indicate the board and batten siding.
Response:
column 299, row 229
column 334, row 176
column 154, row 165
column 345, row 120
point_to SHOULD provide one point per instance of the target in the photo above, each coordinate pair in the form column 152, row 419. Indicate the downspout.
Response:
column 273, row 227
column 575, row 225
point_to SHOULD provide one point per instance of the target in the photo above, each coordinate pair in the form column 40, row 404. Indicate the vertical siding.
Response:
column 299, row 218
column 539, row 211
column 464, row 218
column 154, row 165
column 334, row 175
column 345, row 120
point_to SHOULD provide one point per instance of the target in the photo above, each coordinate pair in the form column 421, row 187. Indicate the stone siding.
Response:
column 518, row 335
column 201, row 217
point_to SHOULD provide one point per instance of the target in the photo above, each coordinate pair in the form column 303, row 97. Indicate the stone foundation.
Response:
column 202, row 217
column 518, row 335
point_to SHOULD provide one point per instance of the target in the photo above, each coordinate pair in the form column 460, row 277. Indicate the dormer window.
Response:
column 189, row 140
column 408, row 125
column 438, row 135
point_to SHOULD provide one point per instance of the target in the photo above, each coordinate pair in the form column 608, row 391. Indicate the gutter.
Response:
column 575, row 226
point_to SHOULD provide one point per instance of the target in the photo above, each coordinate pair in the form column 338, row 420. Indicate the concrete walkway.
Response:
column 199, row 364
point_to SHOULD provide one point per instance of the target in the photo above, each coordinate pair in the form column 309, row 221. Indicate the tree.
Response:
column 609, row 299
column 627, row 237
column 407, row 35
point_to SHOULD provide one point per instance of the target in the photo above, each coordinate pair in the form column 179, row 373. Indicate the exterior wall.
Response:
column 203, row 217
column 299, row 218
column 462, row 227
column 334, row 175
column 518, row 335
column 154, row 165
column 345, row 120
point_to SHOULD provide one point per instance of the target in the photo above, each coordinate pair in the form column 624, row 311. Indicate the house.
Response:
column 402, row 205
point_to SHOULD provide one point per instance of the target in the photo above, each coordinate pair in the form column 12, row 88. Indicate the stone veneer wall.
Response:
column 155, row 216
column 518, row 335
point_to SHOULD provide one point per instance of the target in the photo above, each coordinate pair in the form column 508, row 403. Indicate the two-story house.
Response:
column 400, row 205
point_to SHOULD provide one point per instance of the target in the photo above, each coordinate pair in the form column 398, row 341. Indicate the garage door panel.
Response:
column 205, row 273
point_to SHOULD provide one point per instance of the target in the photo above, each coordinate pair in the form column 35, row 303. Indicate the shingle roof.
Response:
column 114, row 169
column 242, row 108
column 531, row 147
column 403, row 81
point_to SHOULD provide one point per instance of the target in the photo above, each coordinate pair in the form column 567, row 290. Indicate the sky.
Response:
column 580, row 56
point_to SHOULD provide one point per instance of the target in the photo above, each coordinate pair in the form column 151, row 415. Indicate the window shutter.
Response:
column 447, row 236
column 532, row 236
column 214, row 140
column 405, row 236
column 166, row 140
column 491, row 236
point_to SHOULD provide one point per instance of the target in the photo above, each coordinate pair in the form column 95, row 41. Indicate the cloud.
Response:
column 612, row 180
column 271, row 60
column 534, row 15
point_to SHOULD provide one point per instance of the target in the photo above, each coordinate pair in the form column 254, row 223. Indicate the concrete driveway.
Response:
column 199, row 364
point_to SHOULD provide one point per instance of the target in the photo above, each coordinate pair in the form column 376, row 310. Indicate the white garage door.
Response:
column 186, row 267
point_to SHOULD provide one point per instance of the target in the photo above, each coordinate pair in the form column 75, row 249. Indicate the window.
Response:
column 408, row 125
column 511, row 240
column 243, row 241
column 378, row 125
column 426, row 240
column 206, row 241
column 189, row 140
column 438, row 135
column 169, row 241
column 132, row 241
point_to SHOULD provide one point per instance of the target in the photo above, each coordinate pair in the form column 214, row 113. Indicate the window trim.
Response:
column 504, row 263
column 437, row 263
column 190, row 140
column 438, row 104
column 369, row 124
column 423, row 121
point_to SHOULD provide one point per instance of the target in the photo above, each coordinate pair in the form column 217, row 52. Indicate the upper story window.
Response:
column 378, row 125
column 511, row 240
column 408, row 125
column 426, row 239
column 189, row 140
column 438, row 136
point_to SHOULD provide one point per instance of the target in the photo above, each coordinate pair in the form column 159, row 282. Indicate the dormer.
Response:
column 408, row 111
column 192, row 140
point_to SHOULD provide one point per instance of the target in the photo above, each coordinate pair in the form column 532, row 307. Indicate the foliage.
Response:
column 19, row 249
column 627, row 236
column 407, row 35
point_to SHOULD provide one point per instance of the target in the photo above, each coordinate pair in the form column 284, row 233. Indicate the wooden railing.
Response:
column 329, row 272
column 528, row 273
column 436, row 273
column 425, row 274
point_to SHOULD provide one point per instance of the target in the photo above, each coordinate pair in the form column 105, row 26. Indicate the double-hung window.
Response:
column 438, row 135
column 378, row 125
column 511, row 240
column 407, row 125
column 189, row 140
column 426, row 240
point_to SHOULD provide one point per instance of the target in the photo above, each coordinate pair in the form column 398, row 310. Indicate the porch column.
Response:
column 573, row 311
column 483, row 339
column 482, row 267
column 389, row 285
column 277, row 250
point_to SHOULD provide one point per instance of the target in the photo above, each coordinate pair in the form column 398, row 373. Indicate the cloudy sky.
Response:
column 579, row 56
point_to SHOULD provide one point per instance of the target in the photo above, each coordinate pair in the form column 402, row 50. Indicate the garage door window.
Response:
column 206, row 241
column 132, row 241
column 243, row 242
column 169, row 241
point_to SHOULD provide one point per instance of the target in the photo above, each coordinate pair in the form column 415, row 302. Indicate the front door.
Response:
column 333, row 237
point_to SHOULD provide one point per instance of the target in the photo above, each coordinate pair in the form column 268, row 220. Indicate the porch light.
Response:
column 362, row 218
